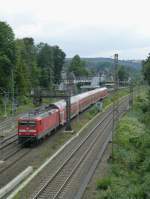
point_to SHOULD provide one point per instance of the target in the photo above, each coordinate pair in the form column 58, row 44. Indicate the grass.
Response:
column 103, row 183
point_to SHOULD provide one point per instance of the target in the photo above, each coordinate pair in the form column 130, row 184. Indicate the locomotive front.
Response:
column 27, row 129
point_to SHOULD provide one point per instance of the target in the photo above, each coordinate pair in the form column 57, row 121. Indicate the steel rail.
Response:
column 7, row 138
column 71, row 155
column 82, row 159
column 69, row 189
column 9, row 143
column 50, row 180
column 12, row 163
column 16, row 151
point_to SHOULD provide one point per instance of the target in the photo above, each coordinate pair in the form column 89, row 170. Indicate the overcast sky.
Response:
column 90, row 28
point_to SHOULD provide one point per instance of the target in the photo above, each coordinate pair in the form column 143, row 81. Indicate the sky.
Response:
column 90, row 28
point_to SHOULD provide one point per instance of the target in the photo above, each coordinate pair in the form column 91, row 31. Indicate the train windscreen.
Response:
column 27, row 123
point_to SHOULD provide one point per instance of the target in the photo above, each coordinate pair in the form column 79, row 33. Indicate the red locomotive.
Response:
column 36, row 125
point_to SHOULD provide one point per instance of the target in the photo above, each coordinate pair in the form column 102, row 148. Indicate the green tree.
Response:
column 59, row 58
column 46, row 64
column 7, row 54
column 26, row 70
column 146, row 69
column 123, row 74
column 77, row 66
column 22, row 76
column 31, row 65
column 30, row 57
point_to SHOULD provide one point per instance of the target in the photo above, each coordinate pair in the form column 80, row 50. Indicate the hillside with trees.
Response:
column 102, row 63
column 94, row 66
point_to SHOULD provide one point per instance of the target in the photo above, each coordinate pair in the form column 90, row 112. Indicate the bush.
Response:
column 23, row 100
column 93, row 111
column 103, row 183
column 130, row 178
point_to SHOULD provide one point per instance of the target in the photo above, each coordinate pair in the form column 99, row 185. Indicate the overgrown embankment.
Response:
column 129, row 171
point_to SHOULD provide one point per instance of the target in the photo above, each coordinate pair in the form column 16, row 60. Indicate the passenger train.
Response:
column 37, row 124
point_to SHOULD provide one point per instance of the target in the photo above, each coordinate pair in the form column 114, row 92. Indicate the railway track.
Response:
column 8, row 141
column 5, row 143
column 67, row 177
column 57, row 183
column 8, row 170
column 12, row 153
column 20, row 161
column 10, row 150
column 10, row 146
column 7, row 127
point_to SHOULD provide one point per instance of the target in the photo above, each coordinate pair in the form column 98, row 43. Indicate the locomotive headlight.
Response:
column 32, row 130
column 22, row 130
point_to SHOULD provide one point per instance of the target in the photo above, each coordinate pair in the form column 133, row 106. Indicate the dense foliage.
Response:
column 146, row 69
column 7, row 54
column 77, row 66
column 51, row 60
column 123, row 73
column 24, row 65
column 129, row 176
